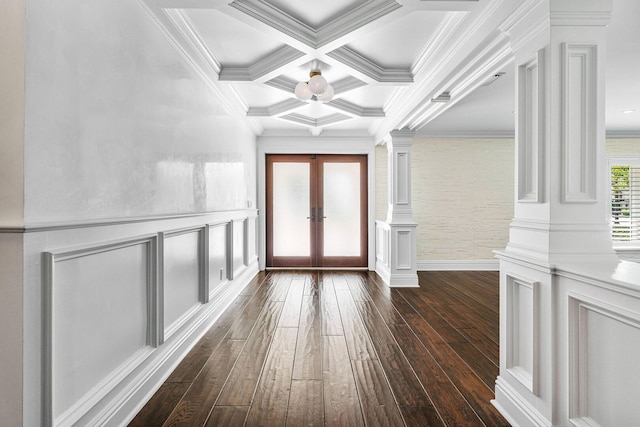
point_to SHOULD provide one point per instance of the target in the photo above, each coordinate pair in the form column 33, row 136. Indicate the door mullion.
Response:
column 314, row 198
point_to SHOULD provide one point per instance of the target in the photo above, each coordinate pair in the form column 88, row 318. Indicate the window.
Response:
column 625, row 202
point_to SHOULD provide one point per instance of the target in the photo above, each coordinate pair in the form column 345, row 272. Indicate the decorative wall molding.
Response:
column 202, row 266
column 522, row 314
column 50, row 260
column 458, row 265
column 115, row 396
column 579, row 122
column 531, row 129
column 518, row 411
column 582, row 364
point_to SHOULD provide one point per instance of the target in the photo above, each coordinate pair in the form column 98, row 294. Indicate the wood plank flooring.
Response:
column 340, row 348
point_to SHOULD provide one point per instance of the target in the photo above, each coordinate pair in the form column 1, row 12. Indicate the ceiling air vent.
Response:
column 443, row 97
column 493, row 78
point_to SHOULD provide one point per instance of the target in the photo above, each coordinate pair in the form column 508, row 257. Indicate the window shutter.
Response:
column 625, row 203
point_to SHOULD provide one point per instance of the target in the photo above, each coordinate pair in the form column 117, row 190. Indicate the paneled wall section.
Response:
column 118, row 313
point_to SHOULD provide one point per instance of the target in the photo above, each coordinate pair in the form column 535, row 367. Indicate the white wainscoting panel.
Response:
column 182, row 278
column 522, row 330
column 218, row 262
column 98, row 322
column 402, row 251
column 531, row 129
column 579, row 139
column 239, row 241
column 603, row 360
column 115, row 306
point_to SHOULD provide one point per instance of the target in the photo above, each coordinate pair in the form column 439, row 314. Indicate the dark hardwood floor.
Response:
column 340, row 348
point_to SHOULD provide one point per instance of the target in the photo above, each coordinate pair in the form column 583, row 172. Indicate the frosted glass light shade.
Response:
column 327, row 95
column 317, row 84
column 303, row 92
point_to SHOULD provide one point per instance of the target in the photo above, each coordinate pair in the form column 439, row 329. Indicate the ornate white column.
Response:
column 397, row 238
column 560, row 201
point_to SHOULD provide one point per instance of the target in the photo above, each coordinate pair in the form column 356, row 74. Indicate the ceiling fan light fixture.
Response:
column 327, row 94
column 316, row 88
column 303, row 92
column 317, row 84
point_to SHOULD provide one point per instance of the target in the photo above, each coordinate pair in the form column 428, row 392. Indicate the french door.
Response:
column 316, row 210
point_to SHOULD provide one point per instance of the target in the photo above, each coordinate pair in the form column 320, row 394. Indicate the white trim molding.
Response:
column 459, row 265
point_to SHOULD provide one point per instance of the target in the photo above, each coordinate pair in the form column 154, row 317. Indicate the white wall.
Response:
column 622, row 147
column 134, row 178
column 118, row 125
column 12, row 25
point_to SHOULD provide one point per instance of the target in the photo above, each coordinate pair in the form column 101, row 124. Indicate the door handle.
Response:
column 313, row 215
column 320, row 217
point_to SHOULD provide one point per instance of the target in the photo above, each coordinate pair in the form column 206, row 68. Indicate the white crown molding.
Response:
column 276, row 109
column 355, row 110
column 441, row 35
column 188, row 4
column 358, row 17
column 190, row 35
column 463, row 81
column 265, row 67
column 346, row 84
column 274, row 136
column 489, row 134
column 177, row 29
column 582, row 18
column 404, row 102
column 283, row 83
column 623, row 134
column 277, row 19
column 311, row 122
column 369, row 69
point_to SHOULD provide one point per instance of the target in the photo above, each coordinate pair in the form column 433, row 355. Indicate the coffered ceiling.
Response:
column 392, row 63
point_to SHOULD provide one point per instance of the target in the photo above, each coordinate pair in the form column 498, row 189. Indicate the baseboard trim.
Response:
column 515, row 409
column 461, row 265
column 140, row 389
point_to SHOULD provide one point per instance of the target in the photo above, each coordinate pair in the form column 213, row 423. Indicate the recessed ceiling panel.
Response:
column 230, row 41
column 316, row 13
column 370, row 96
column 399, row 44
column 316, row 110
column 257, row 95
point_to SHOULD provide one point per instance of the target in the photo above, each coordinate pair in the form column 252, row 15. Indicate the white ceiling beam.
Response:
column 340, row 87
column 355, row 19
column 461, row 47
column 265, row 68
column 311, row 122
column 355, row 110
column 440, row 5
column 276, row 109
column 369, row 69
column 187, row 4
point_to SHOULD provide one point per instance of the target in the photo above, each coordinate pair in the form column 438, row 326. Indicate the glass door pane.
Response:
column 291, row 201
column 341, row 189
